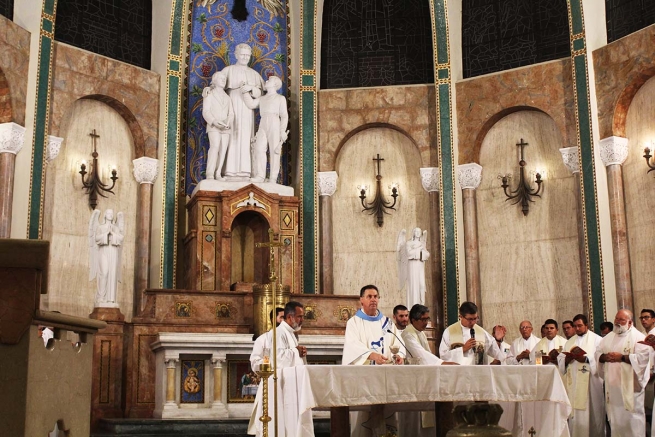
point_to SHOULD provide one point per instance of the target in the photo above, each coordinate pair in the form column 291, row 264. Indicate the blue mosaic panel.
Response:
column 215, row 32
column 193, row 382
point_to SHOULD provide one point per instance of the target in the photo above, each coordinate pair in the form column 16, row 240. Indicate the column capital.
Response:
column 469, row 175
column 11, row 137
column 613, row 150
column 54, row 145
column 570, row 158
column 327, row 182
column 171, row 362
column 145, row 169
column 430, row 178
column 218, row 362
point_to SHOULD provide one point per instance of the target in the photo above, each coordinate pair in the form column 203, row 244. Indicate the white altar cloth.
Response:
column 319, row 386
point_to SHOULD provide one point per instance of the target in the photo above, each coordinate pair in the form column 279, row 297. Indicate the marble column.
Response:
column 430, row 180
column 145, row 173
column 613, row 152
column 11, row 142
column 171, row 364
column 571, row 161
column 218, row 406
column 470, row 176
column 327, row 185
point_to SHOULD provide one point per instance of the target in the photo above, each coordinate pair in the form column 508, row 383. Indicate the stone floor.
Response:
column 185, row 428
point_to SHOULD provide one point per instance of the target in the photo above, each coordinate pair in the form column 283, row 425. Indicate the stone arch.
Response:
column 491, row 121
column 247, row 228
column 133, row 124
column 6, row 109
column 366, row 126
column 626, row 96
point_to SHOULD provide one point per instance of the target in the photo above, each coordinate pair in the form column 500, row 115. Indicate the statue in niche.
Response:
column 219, row 115
column 272, row 132
column 411, row 256
column 241, row 80
column 105, row 249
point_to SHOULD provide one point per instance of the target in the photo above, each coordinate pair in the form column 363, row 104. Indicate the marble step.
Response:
column 185, row 428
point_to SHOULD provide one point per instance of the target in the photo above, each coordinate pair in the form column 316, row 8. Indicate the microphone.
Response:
column 401, row 342
column 472, row 333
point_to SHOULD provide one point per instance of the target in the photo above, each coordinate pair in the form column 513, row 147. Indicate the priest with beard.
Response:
column 264, row 341
column 577, row 364
column 623, row 363
column 369, row 339
column 289, row 354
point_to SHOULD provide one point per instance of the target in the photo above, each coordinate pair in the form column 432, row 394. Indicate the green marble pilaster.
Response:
column 308, row 148
column 172, row 146
column 41, row 119
column 446, row 154
column 580, row 72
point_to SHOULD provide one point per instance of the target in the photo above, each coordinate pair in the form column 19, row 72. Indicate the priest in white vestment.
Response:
column 519, row 352
column 289, row 354
column 262, row 343
column 647, row 319
column 623, row 363
column 415, row 423
column 369, row 339
column 459, row 346
column 577, row 364
column 503, row 346
column 550, row 345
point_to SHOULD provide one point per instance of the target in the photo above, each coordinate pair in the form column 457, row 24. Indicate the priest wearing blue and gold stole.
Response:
column 370, row 338
column 465, row 342
column 369, row 334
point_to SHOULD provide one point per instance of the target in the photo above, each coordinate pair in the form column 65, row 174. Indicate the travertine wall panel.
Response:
column 640, row 196
column 342, row 113
column 621, row 68
column 67, row 212
column 529, row 265
column 482, row 101
column 363, row 252
column 133, row 92
column 14, row 63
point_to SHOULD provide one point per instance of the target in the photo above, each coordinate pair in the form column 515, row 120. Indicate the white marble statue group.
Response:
column 236, row 153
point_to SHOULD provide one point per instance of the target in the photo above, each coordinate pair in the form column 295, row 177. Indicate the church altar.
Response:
column 320, row 386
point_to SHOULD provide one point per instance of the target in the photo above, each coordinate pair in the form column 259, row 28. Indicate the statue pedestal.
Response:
column 219, row 249
column 107, row 374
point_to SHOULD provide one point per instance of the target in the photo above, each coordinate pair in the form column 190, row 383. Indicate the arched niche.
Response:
column 67, row 212
column 529, row 265
column 363, row 252
column 224, row 227
column 639, row 189
column 248, row 264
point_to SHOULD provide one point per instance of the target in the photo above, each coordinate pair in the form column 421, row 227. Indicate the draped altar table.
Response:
column 321, row 386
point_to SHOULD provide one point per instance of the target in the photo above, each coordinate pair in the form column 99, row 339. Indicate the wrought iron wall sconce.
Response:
column 93, row 185
column 648, row 156
column 523, row 193
column 380, row 205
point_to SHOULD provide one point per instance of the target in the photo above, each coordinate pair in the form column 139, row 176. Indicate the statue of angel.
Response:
column 105, row 249
column 411, row 256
